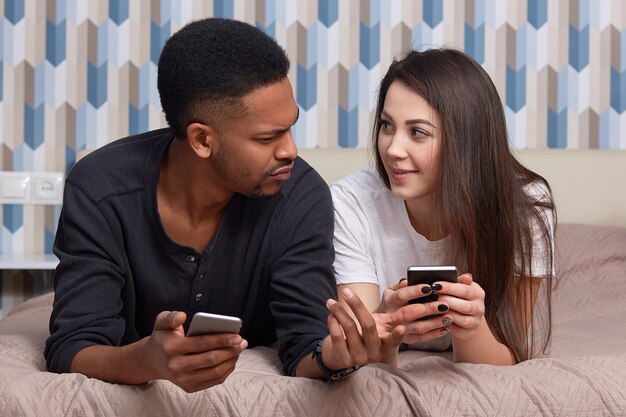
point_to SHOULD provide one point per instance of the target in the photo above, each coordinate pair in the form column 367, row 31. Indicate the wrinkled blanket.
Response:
column 585, row 374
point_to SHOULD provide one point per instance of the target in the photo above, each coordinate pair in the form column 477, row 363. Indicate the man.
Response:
column 215, row 214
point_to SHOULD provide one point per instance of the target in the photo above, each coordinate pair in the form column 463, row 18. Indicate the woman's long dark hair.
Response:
column 482, row 194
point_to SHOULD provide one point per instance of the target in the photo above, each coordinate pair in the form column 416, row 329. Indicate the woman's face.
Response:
column 409, row 143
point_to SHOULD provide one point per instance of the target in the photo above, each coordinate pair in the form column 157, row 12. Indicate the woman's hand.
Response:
column 395, row 309
column 393, row 298
column 466, row 300
column 472, row 340
column 399, row 295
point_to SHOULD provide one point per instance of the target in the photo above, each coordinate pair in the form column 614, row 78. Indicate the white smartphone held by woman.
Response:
column 208, row 323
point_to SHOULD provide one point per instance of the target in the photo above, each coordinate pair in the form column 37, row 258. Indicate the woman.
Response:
column 447, row 191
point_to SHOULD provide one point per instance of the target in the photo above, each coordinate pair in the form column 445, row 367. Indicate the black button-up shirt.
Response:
column 270, row 261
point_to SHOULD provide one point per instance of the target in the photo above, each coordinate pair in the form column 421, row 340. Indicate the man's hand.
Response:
column 359, row 340
column 192, row 363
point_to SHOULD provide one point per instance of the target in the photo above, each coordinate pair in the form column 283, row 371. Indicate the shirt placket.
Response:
column 199, row 284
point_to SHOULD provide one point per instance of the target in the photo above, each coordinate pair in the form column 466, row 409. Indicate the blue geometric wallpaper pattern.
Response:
column 78, row 74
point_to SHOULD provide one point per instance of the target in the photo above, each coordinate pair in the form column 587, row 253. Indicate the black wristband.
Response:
column 330, row 374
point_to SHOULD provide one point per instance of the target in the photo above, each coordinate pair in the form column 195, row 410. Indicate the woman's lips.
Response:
column 401, row 174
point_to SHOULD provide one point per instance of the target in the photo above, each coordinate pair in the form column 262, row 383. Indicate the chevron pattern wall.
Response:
column 79, row 73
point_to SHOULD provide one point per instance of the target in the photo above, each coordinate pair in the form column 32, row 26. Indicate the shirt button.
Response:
column 198, row 296
column 190, row 258
column 200, row 277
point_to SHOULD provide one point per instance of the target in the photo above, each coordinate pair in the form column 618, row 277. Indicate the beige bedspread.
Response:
column 585, row 375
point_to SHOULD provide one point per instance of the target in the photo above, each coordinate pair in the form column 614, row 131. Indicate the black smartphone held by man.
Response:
column 208, row 323
column 429, row 275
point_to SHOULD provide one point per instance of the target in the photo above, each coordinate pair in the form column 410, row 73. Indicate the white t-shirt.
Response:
column 375, row 242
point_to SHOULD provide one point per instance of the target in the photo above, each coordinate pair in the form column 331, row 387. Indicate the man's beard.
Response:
column 257, row 192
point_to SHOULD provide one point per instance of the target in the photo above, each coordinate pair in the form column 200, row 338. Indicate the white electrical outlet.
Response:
column 46, row 188
column 31, row 187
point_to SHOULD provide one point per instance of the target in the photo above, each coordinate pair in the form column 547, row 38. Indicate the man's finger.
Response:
column 355, row 345
column 210, row 358
column 340, row 357
column 206, row 377
column 366, row 320
column 169, row 320
column 208, row 342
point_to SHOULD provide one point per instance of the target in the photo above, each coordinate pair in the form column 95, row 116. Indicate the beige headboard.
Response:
column 589, row 186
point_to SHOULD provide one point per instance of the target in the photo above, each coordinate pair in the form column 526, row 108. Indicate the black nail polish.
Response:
column 436, row 287
column 442, row 307
column 426, row 290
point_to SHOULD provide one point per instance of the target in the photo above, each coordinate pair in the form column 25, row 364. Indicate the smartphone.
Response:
column 207, row 323
column 429, row 275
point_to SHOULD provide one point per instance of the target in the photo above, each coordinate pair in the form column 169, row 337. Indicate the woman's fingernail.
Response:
column 444, row 332
column 426, row 289
column 402, row 279
column 446, row 320
column 436, row 287
column 330, row 302
column 348, row 292
column 442, row 307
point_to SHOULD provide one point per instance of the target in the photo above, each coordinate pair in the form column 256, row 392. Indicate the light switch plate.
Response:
column 14, row 187
column 44, row 188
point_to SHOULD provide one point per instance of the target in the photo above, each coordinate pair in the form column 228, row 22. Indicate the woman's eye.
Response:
column 418, row 133
column 385, row 125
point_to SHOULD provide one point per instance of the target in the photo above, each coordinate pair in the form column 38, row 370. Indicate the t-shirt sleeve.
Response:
column 302, row 279
column 354, row 261
column 87, row 282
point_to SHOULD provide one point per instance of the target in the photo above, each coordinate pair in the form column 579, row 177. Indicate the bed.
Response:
column 585, row 374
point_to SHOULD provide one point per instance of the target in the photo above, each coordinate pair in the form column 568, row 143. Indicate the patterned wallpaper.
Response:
column 79, row 73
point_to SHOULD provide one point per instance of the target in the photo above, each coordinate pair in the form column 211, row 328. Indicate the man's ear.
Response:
column 202, row 139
